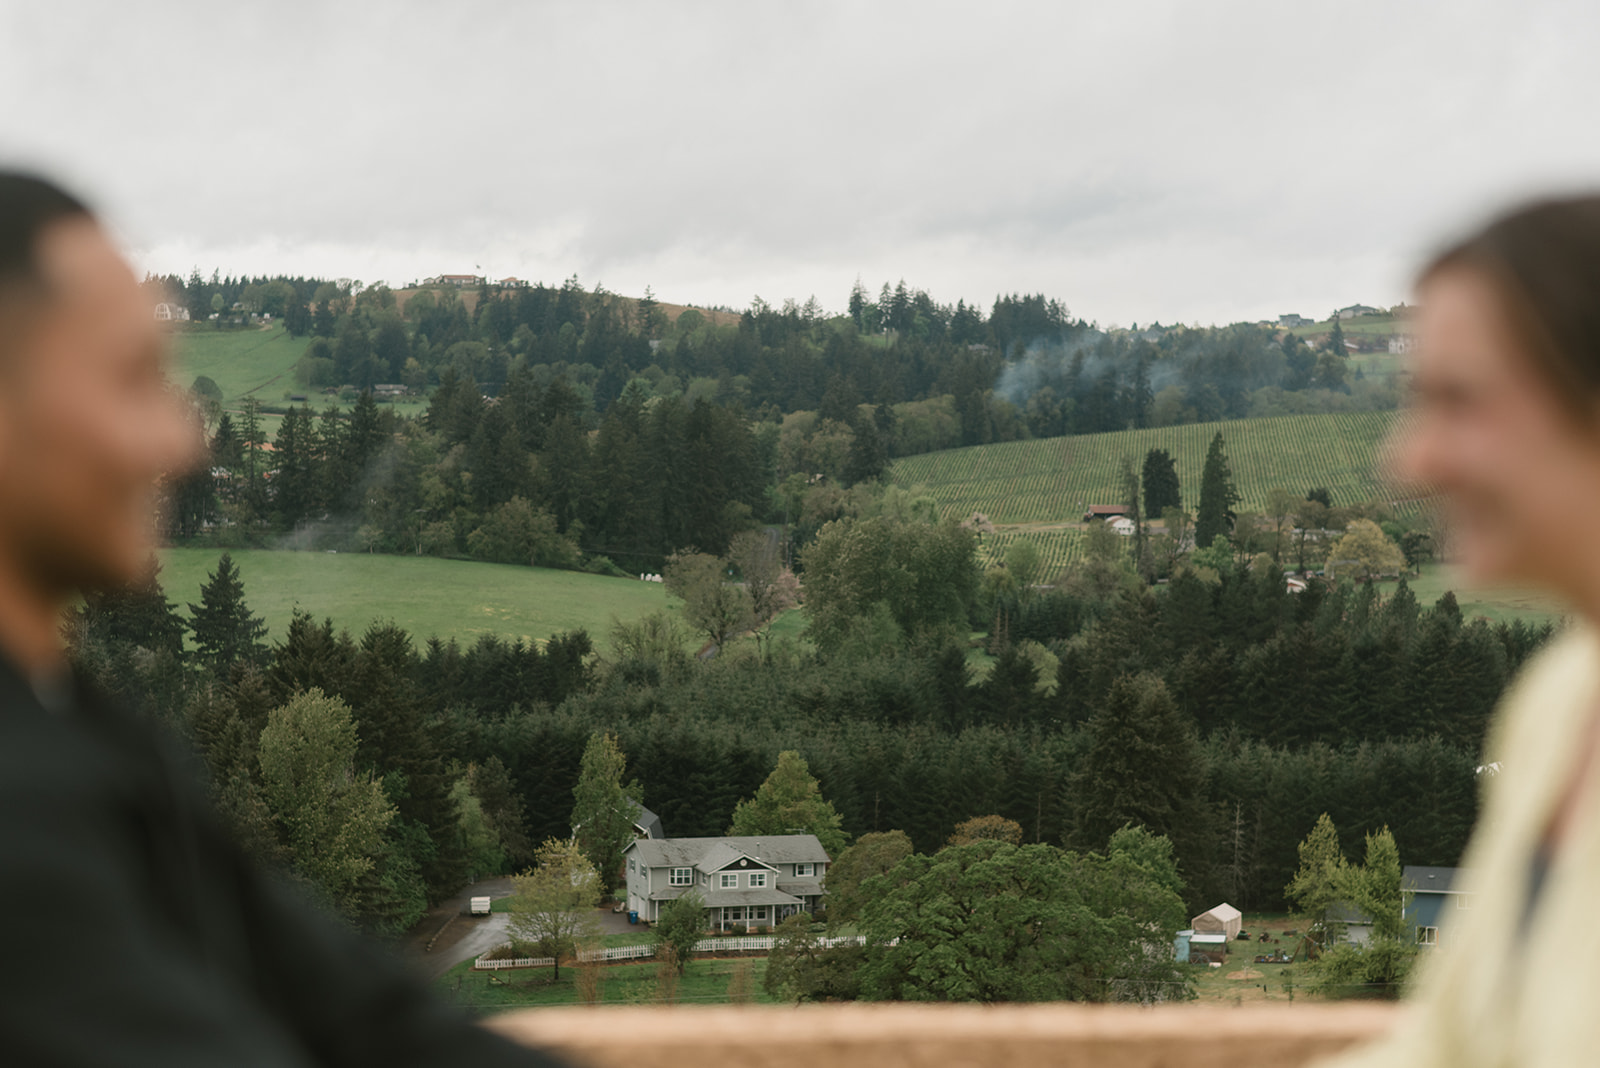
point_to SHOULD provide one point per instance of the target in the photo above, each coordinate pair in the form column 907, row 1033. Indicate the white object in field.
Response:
column 480, row 906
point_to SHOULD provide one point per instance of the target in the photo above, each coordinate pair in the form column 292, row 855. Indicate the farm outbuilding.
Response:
column 1224, row 919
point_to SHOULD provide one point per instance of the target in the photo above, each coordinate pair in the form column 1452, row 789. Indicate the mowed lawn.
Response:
column 705, row 982
column 1496, row 605
column 424, row 595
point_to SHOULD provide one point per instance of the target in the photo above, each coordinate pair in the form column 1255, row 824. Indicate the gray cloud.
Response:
column 1138, row 160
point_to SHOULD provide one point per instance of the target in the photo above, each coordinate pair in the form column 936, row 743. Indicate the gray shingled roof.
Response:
column 650, row 822
column 728, row 898
column 694, row 852
column 1425, row 880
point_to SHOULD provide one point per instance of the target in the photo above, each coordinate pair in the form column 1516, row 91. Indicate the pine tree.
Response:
column 1142, row 767
column 227, row 450
column 1336, row 338
column 1161, row 488
column 1214, row 518
column 225, row 633
column 1321, row 878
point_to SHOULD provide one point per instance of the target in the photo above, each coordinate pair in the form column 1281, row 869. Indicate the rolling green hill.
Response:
column 258, row 363
column 1040, row 489
column 425, row 595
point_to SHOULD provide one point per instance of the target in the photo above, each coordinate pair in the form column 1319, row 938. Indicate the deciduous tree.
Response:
column 1366, row 551
column 872, row 854
column 680, row 926
column 714, row 605
column 1320, row 880
column 604, row 807
column 986, row 829
column 553, row 908
column 333, row 818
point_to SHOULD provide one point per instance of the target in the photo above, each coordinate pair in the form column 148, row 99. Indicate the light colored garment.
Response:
column 1494, row 993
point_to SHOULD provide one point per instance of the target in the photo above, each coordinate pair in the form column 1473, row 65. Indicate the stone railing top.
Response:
column 902, row 1036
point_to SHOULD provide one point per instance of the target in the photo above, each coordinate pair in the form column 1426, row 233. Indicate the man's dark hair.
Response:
column 28, row 206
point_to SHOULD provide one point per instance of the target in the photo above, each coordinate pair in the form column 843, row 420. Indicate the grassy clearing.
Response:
column 1496, row 605
column 257, row 363
column 705, row 982
column 426, row 596
column 1239, row 980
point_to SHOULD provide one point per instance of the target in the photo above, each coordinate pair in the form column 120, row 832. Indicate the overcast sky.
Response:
column 1140, row 161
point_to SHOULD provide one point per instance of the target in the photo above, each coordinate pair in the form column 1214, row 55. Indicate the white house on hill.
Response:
column 752, row 881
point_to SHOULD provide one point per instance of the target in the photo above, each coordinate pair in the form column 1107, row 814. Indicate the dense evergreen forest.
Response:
column 572, row 428
column 579, row 430
column 1221, row 712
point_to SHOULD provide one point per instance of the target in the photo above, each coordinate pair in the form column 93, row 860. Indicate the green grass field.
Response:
column 1051, row 481
column 1496, row 605
column 424, row 595
column 705, row 982
column 258, row 363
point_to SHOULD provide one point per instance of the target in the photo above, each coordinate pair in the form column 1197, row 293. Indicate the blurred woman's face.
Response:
column 1520, row 476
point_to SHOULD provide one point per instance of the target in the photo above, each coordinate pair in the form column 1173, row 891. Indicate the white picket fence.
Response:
column 748, row 943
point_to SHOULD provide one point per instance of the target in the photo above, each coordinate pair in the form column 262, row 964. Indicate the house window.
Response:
column 630, row 864
column 729, row 881
column 758, row 880
column 682, row 877
column 733, row 915
column 804, row 871
column 1427, row 936
column 758, row 915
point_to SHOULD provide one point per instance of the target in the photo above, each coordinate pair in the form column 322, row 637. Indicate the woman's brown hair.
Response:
column 1545, row 260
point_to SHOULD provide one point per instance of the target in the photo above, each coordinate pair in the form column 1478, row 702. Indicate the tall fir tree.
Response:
column 1161, row 487
column 1214, row 518
column 225, row 633
column 791, row 802
column 1143, row 766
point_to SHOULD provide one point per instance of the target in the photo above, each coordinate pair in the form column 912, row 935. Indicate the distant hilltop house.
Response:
column 168, row 312
column 511, row 282
column 461, row 280
column 1292, row 320
column 1358, row 309
column 750, row 881
column 1106, row 512
column 1432, row 895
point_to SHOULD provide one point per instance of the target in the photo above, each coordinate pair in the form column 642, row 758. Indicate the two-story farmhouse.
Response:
column 752, row 881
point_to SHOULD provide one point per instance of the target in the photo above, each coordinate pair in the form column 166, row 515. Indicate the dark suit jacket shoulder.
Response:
column 137, row 934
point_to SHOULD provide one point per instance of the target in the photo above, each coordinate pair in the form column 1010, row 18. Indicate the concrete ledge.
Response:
column 902, row 1036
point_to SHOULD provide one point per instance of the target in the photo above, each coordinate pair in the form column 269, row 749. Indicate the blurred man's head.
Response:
column 88, row 423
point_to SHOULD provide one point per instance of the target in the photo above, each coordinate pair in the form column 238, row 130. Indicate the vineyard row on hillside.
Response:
column 1055, row 479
